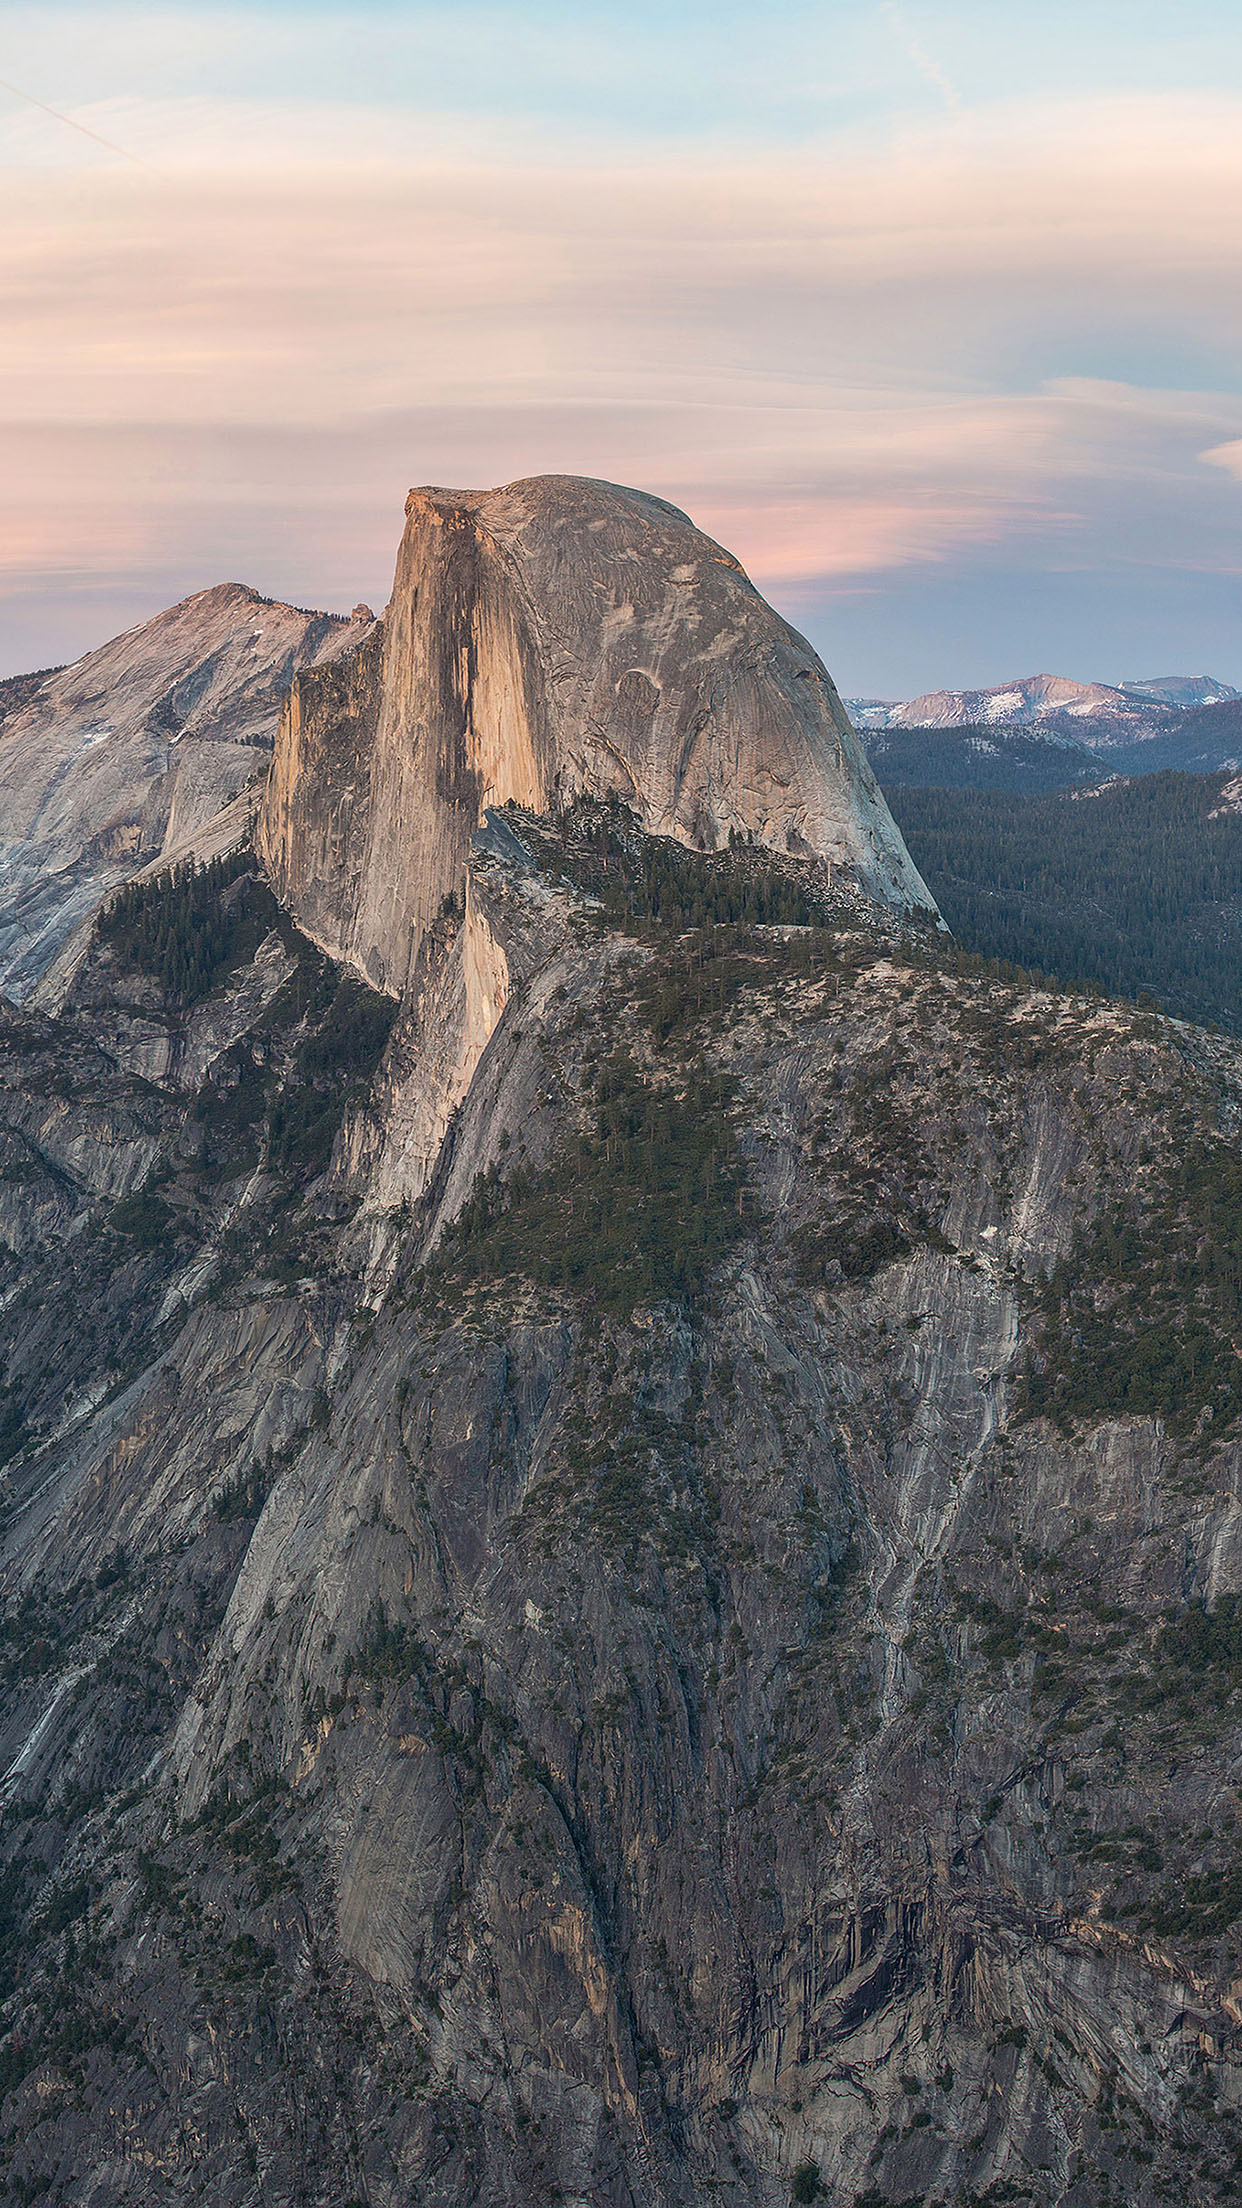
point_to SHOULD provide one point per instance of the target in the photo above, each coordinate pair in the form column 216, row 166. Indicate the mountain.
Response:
column 1046, row 732
column 1087, row 713
column 1181, row 690
column 619, row 1562
column 1199, row 740
column 554, row 639
column 114, row 761
column 973, row 757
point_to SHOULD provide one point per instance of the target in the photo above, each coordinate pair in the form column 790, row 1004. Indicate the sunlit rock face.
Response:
column 123, row 757
column 557, row 637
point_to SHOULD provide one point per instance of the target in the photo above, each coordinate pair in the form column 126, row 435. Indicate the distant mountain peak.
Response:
column 1180, row 690
column 1068, row 707
column 1133, row 708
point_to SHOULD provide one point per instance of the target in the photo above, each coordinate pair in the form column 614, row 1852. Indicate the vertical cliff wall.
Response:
column 556, row 637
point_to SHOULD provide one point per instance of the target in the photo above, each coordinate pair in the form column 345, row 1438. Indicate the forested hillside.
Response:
column 1198, row 740
column 974, row 757
column 1135, row 886
column 999, row 755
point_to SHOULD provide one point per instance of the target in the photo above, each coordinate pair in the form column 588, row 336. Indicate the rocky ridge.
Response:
column 121, row 758
column 689, row 1647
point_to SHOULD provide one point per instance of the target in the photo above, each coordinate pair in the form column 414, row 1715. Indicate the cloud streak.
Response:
column 71, row 123
column 921, row 59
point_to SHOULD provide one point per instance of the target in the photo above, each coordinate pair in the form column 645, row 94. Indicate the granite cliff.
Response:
column 125, row 756
column 687, row 1644
column 553, row 639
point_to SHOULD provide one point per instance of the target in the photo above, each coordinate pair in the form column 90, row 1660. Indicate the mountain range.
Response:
column 1092, row 714
column 1046, row 731
column 620, row 1544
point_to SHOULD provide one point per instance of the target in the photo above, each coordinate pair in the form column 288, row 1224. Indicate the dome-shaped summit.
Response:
column 558, row 636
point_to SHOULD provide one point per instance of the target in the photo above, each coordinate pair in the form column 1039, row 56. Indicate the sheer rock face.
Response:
column 123, row 757
column 556, row 637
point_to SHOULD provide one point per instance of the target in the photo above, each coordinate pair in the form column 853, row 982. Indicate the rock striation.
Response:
column 124, row 756
column 554, row 638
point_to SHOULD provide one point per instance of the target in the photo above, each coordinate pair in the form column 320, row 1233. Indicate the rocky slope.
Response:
column 693, row 1654
column 108, row 763
column 685, row 1687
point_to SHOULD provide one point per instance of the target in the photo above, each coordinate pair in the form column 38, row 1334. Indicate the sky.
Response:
column 929, row 309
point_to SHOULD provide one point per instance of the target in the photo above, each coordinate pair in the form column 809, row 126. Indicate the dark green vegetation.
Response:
column 639, row 1208
column 1134, row 888
column 652, row 884
column 978, row 758
column 805, row 2185
column 1145, row 1315
column 147, row 1219
column 188, row 928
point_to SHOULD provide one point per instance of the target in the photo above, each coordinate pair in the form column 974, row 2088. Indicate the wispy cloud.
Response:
column 1227, row 456
column 926, row 66
column 848, row 361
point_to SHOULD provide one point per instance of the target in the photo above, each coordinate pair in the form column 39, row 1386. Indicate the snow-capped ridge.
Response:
column 1093, row 714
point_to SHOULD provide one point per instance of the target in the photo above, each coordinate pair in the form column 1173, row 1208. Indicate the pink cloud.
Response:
column 240, row 369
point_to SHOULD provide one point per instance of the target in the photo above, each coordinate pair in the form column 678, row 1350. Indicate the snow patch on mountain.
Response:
column 1092, row 714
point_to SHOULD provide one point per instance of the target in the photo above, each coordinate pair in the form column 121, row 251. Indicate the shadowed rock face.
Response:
column 556, row 637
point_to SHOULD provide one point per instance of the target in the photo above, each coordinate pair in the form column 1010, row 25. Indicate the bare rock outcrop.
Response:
column 556, row 637
column 123, row 757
